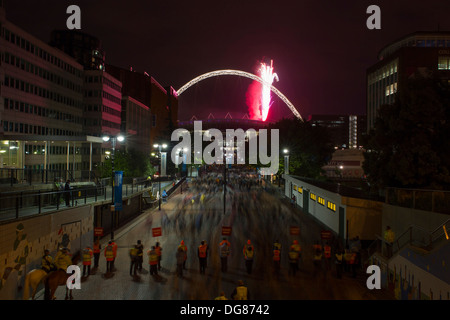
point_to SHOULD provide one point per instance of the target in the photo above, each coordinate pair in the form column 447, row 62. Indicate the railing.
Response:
column 413, row 235
column 427, row 200
column 15, row 205
column 14, row 176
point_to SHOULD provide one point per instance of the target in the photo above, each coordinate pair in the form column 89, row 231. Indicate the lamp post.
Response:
column 160, row 147
column 113, row 139
column 286, row 161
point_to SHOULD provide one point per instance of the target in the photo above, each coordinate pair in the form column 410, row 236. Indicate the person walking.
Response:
column 67, row 193
column 317, row 261
column 114, row 245
column 202, row 256
column 96, row 250
column 295, row 246
column 389, row 237
column 134, row 260
column 277, row 257
column 293, row 260
column 109, row 255
column 87, row 260
column 249, row 253
column 140, row 255
column 184, row 248
column 339, row 261
column 153, row 261
column 327, row 256
column 158, row 250
column 221, row 296
column 181, row 258
column 224, row 251
column 241, row 292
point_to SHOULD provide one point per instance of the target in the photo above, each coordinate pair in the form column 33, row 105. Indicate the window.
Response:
column 321, row 200
column 313, row 196
column 331, row 206
column 444, row 63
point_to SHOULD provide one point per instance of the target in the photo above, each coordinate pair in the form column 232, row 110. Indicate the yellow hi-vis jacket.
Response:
column 241, row 293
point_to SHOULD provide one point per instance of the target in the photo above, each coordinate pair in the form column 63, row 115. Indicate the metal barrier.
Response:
column 428, row 200
column 15, row 205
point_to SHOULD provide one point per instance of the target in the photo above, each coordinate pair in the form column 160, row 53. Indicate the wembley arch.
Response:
column 230, row 72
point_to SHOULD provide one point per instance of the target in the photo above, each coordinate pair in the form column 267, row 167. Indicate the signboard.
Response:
column 325, row 234
column 118, row 179
column 156, row 232
column 98, row 232
column 226, row 231
column 295, row 231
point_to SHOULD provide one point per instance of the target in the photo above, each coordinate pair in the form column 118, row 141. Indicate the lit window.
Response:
column 313, row 196
column 444, row 63
column 300, row 189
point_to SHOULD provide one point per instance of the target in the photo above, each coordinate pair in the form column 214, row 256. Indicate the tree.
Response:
column 133, row 163
column 310, row 147
column 409, row 145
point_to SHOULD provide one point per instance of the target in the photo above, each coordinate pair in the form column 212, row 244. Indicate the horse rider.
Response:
column 47, row 262
column 63, row 260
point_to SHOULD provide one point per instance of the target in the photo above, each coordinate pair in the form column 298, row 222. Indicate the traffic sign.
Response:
column 226, row 231
column 98, row 231
column 295, row 231
column 325, row 234
column 157, row 232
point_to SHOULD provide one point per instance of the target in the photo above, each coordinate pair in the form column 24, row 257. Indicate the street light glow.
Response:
column 120, row 138
column 105, row 138
column 286, row 151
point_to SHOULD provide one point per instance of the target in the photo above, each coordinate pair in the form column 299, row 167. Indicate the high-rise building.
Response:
column 417, row 52
column 85, row 48
column 162, row 101
column 345, row 130
column 41, row 104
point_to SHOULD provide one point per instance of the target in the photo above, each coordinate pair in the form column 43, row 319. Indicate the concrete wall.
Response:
column 22, row 243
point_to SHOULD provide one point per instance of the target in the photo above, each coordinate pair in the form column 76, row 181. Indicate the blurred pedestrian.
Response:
column 277, row 257
column 181, row 258
column 133, row 259
column 96, row 250
column 202, row 254
column 339, row 263
column 389, row 237
column 249, row 253
column 67, row 193
column 153, row 261
column 224, row 251
column 298, row 249
column 109, row 255
column 140, row 255
column 158, row 250
column 327, row 255
column 221, row 296
column 114, row 245
column 317, row 260
column 184, row 248
column 240, row 292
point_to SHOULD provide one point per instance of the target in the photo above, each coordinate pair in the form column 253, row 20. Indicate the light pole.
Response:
column 113, row 139
column 286, row 161
column 160, row 147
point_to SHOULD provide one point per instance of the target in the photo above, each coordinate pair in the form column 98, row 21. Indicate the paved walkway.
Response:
column 263, row 283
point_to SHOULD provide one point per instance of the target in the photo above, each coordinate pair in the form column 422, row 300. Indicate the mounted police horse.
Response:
column 59, row 278
column 33, row 279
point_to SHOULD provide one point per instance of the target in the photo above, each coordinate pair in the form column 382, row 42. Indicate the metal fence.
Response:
column 13, row 176
column 18, row 204
column 427, row 200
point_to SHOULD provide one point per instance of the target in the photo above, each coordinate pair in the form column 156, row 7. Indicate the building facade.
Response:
column 345, row 130
column 422, row 52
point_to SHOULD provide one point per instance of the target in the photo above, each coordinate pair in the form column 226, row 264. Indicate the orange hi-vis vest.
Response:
column 202, row 250
column 152, row 257
column 276, row 255
column 327, row 251
column 317, row 247
column 96, row 248
column 158, row 251
column 87, row 256
column 109, row 253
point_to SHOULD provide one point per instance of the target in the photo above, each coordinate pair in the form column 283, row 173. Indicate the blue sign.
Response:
column 118, row 178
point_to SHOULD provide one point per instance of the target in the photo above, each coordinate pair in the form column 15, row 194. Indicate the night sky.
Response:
column 320, row 49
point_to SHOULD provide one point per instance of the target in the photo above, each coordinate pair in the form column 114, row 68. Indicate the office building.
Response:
column 424, row 52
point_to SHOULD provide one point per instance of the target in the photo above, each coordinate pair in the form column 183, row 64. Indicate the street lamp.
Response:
column 286, row 161
column 113, row 139
column 160, row 147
